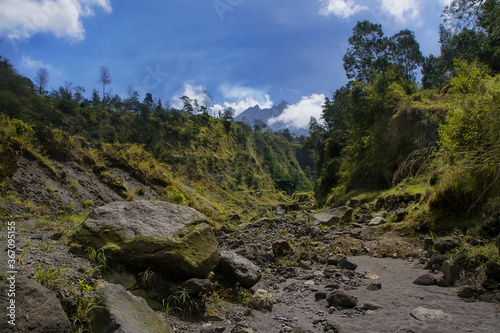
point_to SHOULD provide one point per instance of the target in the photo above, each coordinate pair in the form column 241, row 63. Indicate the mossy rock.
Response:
column 175, row 241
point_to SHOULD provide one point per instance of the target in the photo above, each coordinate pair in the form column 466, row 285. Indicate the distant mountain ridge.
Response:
column 255, row 113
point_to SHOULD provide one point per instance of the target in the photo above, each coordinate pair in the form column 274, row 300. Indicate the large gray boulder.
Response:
column 175, row 241
column 123, row 312
column 36, row 309
column 238, row 269
column 334, row 216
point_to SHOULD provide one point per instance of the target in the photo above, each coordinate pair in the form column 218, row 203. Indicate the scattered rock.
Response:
column 346, row 264
column 466, row 292
column 425, row 280
column 339, row 298
column 198, row 287
column 262, row 299
column 320, row 295
column 280, row 212
column 374, row 286
column 282, row 248
column 371, row 276
column 377, row 221
column 238, row 269
column 451, row 271
column 492, row 271
column 255, row 250
column 125, row 313
column 335, row 216
column 176, row 241
column 332, row 327
column 242, row 329
column 370, row 306
column 428, row 243
column 423, row 314
column 445, row 244
column 36, row 309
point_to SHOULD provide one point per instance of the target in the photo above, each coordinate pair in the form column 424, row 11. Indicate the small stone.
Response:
column 428, row 243
column 339, row 298
column 451, row 271
column 442, row 281
column 492, row 271
column 374, row 286
column 445, row 244
column 282, row 248
column 262, row 299
column 320, row 295
column 377, row 221
column 371, row 306
column 465, row 292
column 309, row 283
column 334, row 260
column 425, row 280
column 344, row 263
column 332, row 327
column 371, row 276
column 423, row 314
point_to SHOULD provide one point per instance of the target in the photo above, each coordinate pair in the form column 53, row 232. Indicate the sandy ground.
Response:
column 397, row 298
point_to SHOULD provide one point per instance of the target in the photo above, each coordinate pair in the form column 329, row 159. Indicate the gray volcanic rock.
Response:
column 125, row 313
column 334, row 216
column 238, row 269
column 176, row 241
column 37, row 309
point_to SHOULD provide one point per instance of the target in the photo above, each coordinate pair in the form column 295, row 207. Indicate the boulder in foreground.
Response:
column 175, row 241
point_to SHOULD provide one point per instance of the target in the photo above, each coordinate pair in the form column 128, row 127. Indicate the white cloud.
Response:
column 298, row 115
column 190, row 90
column 241, row 98
column 446, row 2
column 402, row 10
column 29, row 63
column 21, row 19
column 340, row 8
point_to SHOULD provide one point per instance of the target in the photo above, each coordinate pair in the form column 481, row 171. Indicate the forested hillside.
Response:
column 213, row 164
column 440, row 135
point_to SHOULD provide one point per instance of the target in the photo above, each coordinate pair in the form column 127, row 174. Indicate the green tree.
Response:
column 405, row 53
column 187, row 105
column 368, row 54
column 228, row 113
column 432, row 74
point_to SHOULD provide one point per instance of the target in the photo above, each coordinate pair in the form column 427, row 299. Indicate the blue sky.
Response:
column 244, row 52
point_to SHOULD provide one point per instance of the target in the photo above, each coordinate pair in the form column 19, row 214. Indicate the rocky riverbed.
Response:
column 303, row 275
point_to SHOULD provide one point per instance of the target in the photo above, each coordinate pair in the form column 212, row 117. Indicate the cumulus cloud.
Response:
column 340, row 8
column 21, row 19
column 241, row 98
column 402, row 10
column 29, row 63
column 238, row 97
column 190, row 90
column 298, row 115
